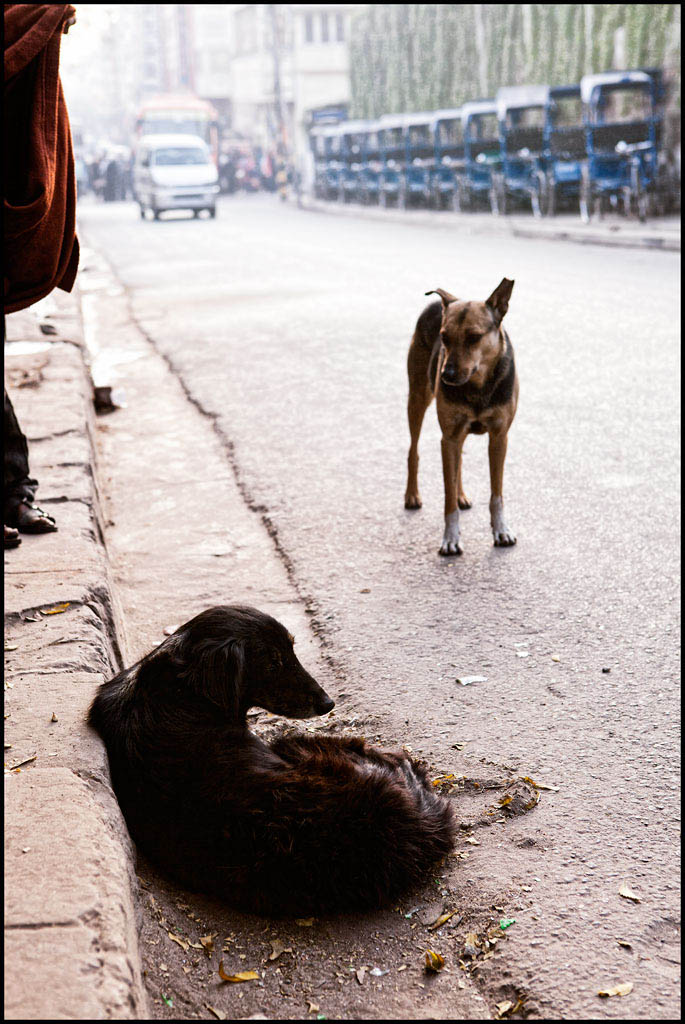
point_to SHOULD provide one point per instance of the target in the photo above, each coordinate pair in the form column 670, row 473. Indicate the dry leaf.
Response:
column 313, row 1007
column 617, row 990
column 277, row 948
column 443, row 919
column 175, row 938
column 503, row 1008
column 628, row 894
column 207, row 942
column 626, row 945
column 240, row 976
column 305, row 922
column 57, row 610
column 360, row 974
column 219, row 1014
column 434, row 961
column 11, row 647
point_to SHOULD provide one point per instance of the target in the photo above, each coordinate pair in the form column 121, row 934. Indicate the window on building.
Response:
column 324, row 28
column 309, row 28
column 340, row 28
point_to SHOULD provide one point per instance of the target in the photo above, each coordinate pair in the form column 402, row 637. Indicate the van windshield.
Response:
column 176, row 156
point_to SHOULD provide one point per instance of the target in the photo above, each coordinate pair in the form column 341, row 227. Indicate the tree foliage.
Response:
column 408, row 57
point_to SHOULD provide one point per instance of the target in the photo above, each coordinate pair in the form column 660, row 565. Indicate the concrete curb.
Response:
column 662, row 235
column 71, row 920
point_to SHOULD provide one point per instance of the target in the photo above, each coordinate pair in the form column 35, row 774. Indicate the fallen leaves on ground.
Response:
column 628, row 894
column 508, row 1009
column 443, row 919
column 617, row 990
column 240, row 976
column 207, row 942
column 219, row 1014
column 181, row 943
column 277, row 949
column 57, row 610
column 305, row 922
column 434, row 962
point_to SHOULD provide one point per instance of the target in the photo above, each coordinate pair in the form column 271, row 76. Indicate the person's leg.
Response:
column 20, row 489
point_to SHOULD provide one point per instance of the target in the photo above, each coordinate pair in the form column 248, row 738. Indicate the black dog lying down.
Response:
column 306, row 825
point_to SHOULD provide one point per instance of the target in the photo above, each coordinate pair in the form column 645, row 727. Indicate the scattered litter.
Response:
column 628, row 894
column 305, row 922
column 606, row 670
column 20, row 764
column 522, row 654
column 555, row 657
column 443, row 919
column 376, row 972
column 434, row 962
column 471, row 841
column 617, row 990
column 471, row 945
column 312, row 1007
column 366, row 590
column 625, row 945
column 219, row 1014
column 236, row 978
column 360, row 974
column 207, row 942
column 402, row 968
column 277, row 949
column 11, row 647
column 57, row 610
column 539, row 785
column 181, row 943
column 169, row 1002
column 26, row 849
column 506, row 922
column 467, row 680
column 54, row 717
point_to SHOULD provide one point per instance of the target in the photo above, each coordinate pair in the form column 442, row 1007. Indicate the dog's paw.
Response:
column 451, row 543
column 412, row 500
column 463, row 502
column 504, row 537
column 452, row 547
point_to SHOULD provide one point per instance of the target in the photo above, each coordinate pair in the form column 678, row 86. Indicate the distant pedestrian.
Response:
column 40, row 248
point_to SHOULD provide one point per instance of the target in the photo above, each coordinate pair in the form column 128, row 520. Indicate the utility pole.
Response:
column 283, row 150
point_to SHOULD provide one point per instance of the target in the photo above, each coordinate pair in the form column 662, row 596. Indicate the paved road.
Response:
column 291, row 328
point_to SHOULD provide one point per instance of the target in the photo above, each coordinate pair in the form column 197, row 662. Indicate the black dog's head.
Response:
column 239, row 657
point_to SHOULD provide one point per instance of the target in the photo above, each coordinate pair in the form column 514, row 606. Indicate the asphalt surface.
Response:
column 291, row 329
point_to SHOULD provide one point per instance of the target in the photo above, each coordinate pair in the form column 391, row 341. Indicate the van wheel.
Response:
column 211, row 210
column 196, row 214
column 156, row 212
column 142, row 212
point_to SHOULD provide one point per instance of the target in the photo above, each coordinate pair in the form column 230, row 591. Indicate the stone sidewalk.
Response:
column 612, row 230
column 71, row 947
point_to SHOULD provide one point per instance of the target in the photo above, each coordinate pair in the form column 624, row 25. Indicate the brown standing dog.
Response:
column 461, row 354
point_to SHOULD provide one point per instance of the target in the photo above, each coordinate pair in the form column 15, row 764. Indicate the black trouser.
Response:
column 18, row 485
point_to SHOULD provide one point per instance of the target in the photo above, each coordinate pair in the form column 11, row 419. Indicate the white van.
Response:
column 174, row 172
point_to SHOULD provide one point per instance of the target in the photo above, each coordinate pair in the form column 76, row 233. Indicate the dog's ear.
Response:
column 446, row 297
column 216, row 670
column 499, row 300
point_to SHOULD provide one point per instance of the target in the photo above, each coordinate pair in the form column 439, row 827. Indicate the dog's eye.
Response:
column 473, row 339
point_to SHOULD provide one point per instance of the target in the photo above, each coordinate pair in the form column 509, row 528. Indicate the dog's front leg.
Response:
column 497, row 451
column 451, row 466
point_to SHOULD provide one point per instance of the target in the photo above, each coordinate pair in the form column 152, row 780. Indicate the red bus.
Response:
column 180, row 115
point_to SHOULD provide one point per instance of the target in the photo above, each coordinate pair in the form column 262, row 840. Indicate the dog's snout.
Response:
column 452, row 374
column 325, row 704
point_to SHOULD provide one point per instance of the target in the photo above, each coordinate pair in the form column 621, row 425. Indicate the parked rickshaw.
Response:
column 521, row 111
column 564, row 148
column 449, row 158
column 391, row 134
column 352, row 135
column 481, row 153
column 370, row 173
column 326, row 145
column 419, row 161
column 622, row 116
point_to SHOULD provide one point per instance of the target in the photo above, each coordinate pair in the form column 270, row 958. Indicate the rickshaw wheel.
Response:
column 382, row 199
column 460, row 198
